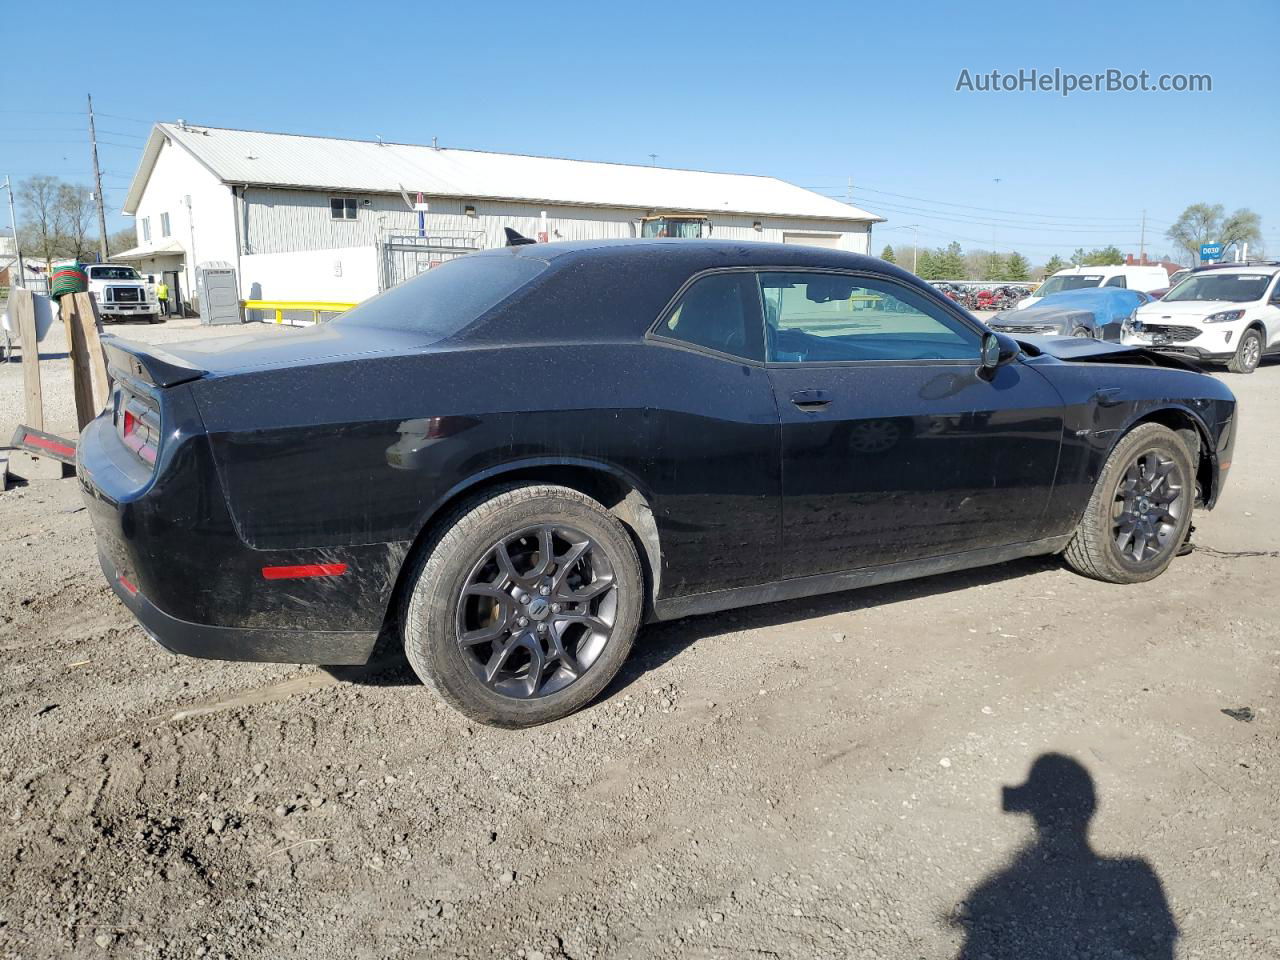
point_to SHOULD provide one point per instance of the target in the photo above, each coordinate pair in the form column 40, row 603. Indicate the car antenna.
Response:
column 515, row 239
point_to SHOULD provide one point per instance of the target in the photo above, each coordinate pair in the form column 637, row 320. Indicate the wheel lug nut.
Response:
column 522, row 621
column 542, row 628
column 544, row 589
column 522, row 597
column 556, row 608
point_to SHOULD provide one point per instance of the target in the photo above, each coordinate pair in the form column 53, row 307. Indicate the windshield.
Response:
column 1231, row 287
column 113, row 273
column 443, row 300
column 1073, row 281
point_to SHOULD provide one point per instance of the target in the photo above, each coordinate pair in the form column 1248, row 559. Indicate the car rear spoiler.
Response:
column 147, row 363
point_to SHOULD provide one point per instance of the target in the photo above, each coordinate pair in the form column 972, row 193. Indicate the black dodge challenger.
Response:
column 512, row 461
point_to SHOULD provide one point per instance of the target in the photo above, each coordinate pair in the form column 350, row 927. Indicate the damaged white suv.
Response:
column 1226, row 314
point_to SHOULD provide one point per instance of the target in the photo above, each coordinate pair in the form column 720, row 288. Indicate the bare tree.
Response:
column 121, row 240
column 42, row 226
column 77, row 216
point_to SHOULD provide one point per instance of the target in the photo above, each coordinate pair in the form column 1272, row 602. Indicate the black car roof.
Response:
column 615, row 289
column 747, row 253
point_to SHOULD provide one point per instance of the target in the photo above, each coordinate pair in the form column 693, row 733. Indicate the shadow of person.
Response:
column 1058, row 899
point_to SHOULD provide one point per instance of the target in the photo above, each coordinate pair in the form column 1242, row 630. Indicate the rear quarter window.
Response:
column 443, row 301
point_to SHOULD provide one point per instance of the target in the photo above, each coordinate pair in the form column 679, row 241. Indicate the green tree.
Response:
column 1055, row 264
column 927, row 266
column 1208, row 223
column 887, row 254
column 1077, row 258
column 950, row 262
column 1016, row 267
column 1103, row 257
column 994, row 267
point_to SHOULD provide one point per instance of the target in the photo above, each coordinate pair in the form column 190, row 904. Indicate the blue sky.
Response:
column 815, row 93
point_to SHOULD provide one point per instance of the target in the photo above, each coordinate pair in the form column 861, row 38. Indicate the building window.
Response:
column 689, row 227
column 342, row 208
column 164, row 225
column 146, row 229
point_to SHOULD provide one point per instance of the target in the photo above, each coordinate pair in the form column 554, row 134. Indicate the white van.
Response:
column 1146, row 279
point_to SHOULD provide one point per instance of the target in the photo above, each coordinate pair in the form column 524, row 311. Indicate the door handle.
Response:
column 811, row 400
column 1108, row 396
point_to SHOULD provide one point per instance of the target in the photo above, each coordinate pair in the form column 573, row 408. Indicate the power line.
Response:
column 1002, row 221
column 965, row 206
column 116, row 116
column 1005, row 224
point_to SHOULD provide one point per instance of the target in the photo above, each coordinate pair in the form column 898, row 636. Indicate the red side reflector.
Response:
column 125, row 582
column 305, row 570
column 52, row 446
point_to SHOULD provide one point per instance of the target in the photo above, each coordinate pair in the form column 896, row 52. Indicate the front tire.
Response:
column 1081, row 332
column 525, row 606
column 1248, row 353
column 1138, row 516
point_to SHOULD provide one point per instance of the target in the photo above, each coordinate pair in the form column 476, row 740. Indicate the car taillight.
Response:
column 140, row 431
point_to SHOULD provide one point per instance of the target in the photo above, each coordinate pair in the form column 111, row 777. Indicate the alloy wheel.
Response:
column 537, row 611
column 1252, row 352
column 1149, row 505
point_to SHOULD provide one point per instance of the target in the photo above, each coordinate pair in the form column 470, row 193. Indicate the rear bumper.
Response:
column 168, row 550
column 259, row 644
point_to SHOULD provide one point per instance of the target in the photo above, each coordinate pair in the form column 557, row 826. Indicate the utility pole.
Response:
column 13, row 222
column 1142, row 241
column 97, row 189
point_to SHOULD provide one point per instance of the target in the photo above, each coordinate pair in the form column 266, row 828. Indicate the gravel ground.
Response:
column 810, row 779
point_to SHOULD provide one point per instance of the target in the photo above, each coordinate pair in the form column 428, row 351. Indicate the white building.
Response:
column 320, row 219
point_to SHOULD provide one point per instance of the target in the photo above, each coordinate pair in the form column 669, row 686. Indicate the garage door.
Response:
column 812, row 239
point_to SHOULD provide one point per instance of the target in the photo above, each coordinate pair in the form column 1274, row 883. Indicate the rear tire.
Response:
column 492, row 622
column 1248, row 353
column 155, row 318
column 1138, row 516
column 1081, row 332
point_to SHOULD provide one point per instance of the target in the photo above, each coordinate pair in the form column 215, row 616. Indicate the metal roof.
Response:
column 165, row 248
column 363, row 166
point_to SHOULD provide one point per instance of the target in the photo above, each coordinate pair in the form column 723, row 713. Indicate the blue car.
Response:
column 1096, row 312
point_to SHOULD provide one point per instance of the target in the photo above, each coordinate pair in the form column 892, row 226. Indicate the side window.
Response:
column 1117, row 281
column 825, row 318
column 718, row 312
column 342, row 208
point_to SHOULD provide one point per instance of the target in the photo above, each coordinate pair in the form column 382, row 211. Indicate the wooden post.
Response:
column 91, row 326
column 81, row 378
column 23, row 309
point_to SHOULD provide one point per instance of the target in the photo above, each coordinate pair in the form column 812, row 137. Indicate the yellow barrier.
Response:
column 279, row 307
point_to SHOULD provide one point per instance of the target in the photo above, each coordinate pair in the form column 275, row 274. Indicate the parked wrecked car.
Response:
column 510, row 462
column 1099, row 313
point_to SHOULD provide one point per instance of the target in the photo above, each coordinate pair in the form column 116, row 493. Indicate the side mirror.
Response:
column 997, row 350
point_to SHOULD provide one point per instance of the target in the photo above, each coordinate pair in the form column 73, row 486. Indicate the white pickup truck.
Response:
column 122, row 293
